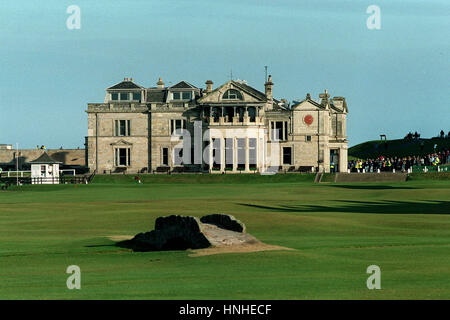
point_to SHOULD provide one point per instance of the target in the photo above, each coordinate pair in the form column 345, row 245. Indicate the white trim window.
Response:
column 122, row 128
column 278, row 130
column 122, row 157
column 181, row 95
column 177, row 124
column 125, row 96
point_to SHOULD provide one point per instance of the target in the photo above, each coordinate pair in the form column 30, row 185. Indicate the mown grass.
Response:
column 337, row 231
column 206, row 178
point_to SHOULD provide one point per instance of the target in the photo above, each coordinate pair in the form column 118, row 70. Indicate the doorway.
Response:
column 334, row 160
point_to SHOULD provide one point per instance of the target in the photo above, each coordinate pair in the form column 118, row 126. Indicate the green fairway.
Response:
column 337, row 231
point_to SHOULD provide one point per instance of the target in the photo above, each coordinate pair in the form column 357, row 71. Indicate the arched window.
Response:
column 232, row 94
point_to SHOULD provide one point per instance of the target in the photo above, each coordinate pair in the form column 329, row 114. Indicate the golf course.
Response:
column 330, row 234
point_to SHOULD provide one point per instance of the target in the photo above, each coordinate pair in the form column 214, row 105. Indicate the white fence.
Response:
column 27, row 173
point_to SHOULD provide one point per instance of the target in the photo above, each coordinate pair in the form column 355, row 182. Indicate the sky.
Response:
column 395, row 79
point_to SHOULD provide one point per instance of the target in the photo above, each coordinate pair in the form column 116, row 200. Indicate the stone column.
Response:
column 343, row 159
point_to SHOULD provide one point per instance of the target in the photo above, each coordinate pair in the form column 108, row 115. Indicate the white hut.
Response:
column 45, row 170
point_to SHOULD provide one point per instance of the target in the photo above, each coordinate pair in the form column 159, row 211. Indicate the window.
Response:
column 252, row 153
column 125, row 96
column 287, row 152
column 122, row 157
column 165, row 156
column 229, row 153
column 216, row 153
column 185, row 95
column 241, row 153
column 122, row 128
column 279, row 130
column 232, row 94
column 176, row 124
column 137, row 96
column 308, row 138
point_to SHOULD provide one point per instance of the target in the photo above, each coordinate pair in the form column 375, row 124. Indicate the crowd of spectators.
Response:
column 416, row 136
column 443, row 136
column 412, row 136
column 402, row 164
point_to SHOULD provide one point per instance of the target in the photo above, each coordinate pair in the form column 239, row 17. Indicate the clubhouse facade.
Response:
column 232, row 128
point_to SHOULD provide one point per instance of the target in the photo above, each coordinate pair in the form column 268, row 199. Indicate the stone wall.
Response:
column 103, row 146
column 72, row 157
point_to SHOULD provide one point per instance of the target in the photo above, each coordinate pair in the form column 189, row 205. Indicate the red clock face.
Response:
column 308, row 119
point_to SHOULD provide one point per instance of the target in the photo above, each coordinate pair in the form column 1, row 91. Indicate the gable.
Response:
column 249, row 94
column 121, row 143
column 307, row 104
column 125, row 85
column 183, row 85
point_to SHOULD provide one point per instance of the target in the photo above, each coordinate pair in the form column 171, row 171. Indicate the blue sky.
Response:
column 395, row 79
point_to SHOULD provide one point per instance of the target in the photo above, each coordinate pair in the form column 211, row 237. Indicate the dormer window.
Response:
column 182, row 95
column 126, row 96
column 136, row 96
column 232, row 94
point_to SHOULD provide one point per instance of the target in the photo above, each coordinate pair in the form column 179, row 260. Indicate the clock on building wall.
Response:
column 308, row 119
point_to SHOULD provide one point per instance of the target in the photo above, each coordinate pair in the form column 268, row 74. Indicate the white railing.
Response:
column 9, row 173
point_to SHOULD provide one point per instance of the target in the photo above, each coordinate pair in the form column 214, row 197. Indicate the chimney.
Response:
column 269, row 85
column 209, row 86
column 160, row 83
column 324, row 98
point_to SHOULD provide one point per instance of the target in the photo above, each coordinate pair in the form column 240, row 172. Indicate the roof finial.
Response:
column 160, row 83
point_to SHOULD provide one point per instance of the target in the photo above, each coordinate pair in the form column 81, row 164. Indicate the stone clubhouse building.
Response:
column 232, row 128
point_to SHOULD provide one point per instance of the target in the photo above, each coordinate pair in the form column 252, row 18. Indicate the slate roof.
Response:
column 45, row 159
column 156, row 95
column 245, row 87
column 318, row 105
column 125, row 85
column 183, row 85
